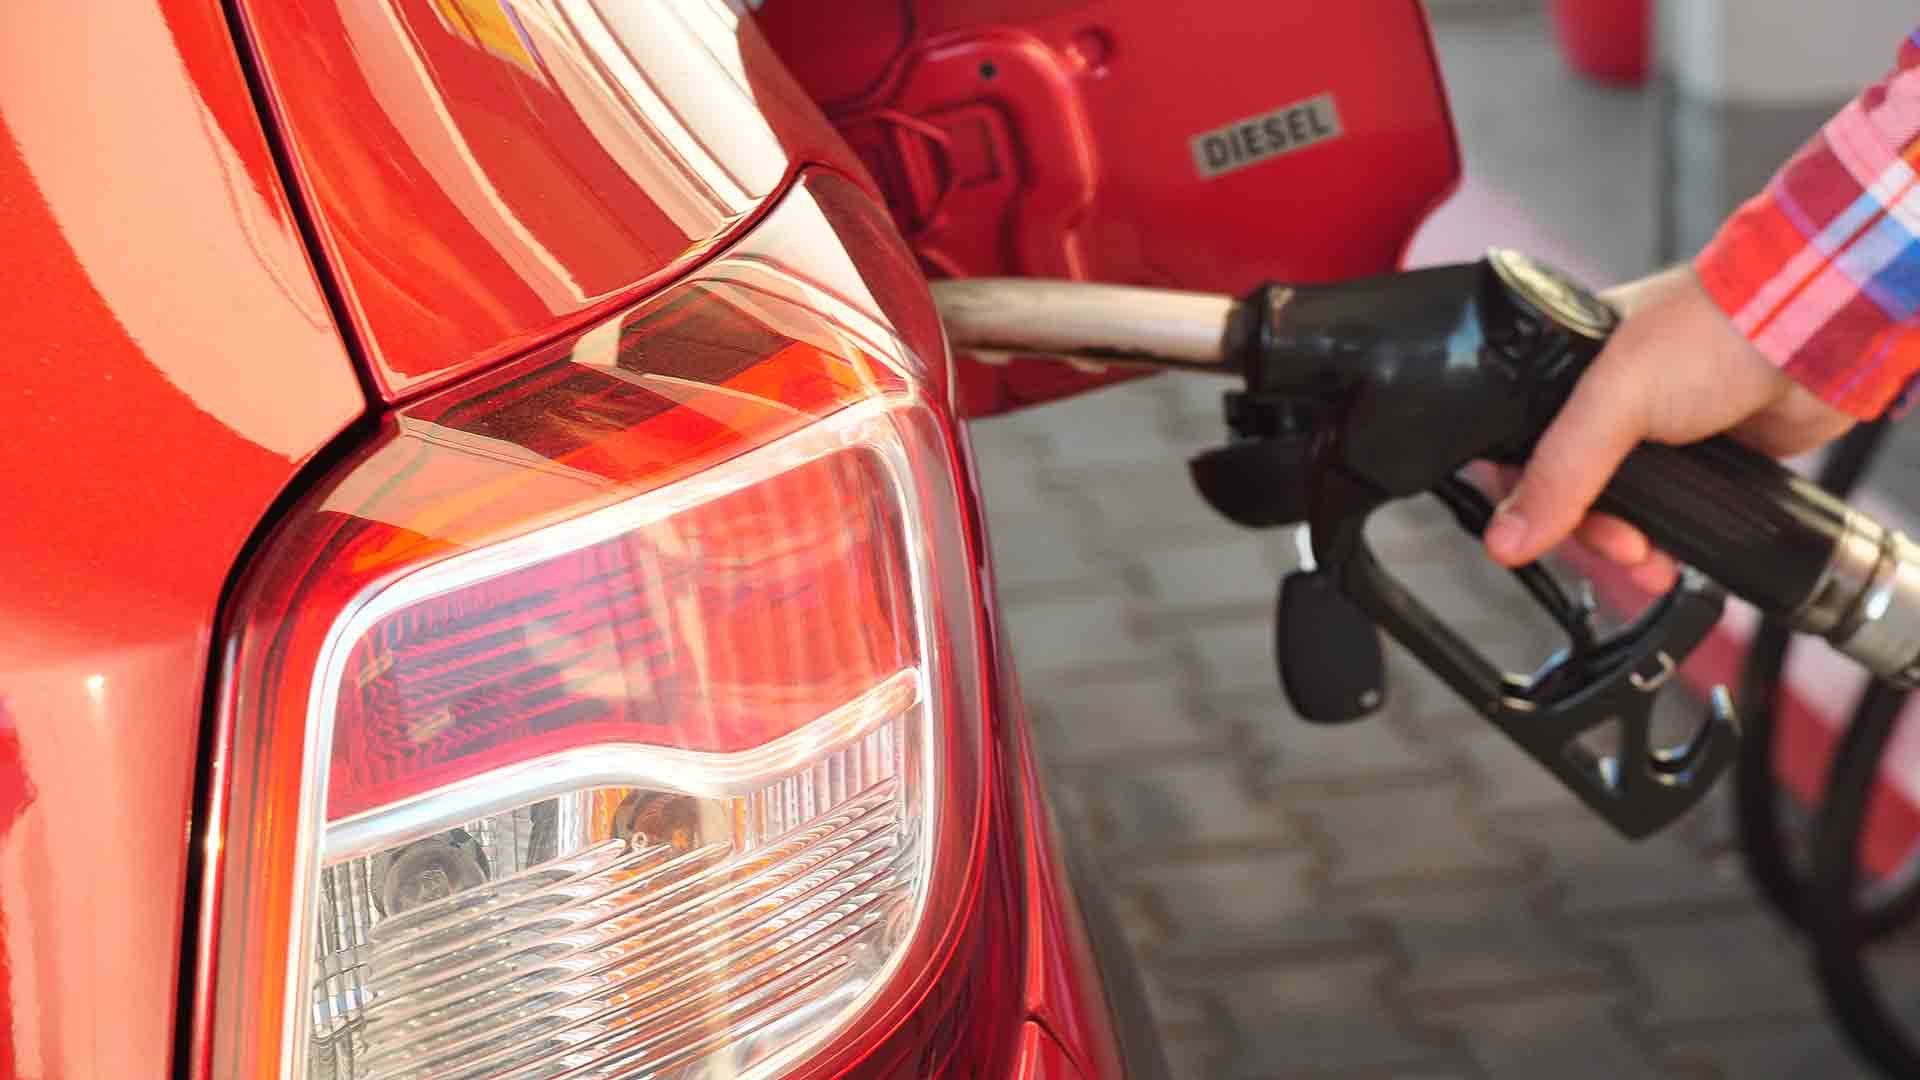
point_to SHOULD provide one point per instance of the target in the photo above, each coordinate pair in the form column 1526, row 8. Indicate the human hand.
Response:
column 1676, row 371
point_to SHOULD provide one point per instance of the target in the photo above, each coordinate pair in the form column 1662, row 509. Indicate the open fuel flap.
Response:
column 1115, row 141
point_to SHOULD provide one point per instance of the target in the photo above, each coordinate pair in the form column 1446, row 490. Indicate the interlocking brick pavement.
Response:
column 1567, row 1036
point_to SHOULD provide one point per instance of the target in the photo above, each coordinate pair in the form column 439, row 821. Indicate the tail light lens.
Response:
column 618, row 715
column 643, row 791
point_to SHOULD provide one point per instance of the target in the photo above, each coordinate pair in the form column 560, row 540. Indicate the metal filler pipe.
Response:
column 1081, row 321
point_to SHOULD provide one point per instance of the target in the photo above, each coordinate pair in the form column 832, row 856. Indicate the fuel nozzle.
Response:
column 1357, row 393
column 1424, row 371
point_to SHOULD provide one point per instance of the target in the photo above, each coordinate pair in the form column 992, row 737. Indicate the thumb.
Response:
column 1594, row 432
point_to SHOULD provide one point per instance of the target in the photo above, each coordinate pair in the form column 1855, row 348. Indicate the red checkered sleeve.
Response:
column 1821, row 271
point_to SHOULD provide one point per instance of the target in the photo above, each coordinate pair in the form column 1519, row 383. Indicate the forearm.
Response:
column 1821, row 271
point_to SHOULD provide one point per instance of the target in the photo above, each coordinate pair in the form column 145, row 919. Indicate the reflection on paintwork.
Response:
column 755, row 343
column 17, row 968
column 543, row 156
column 492, row 26
column 170, row 363
column 149, row 193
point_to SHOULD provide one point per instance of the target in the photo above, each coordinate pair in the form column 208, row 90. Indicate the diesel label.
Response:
column 1270, row 134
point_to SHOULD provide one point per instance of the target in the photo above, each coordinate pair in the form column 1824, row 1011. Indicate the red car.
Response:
column 492, row 583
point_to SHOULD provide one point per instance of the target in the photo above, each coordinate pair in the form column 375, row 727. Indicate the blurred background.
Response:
column 1409, row 896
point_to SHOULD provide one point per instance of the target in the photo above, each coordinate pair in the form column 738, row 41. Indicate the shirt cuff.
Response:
column 1755, row 270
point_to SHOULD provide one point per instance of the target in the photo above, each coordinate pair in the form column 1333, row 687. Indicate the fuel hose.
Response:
column 1831, row 900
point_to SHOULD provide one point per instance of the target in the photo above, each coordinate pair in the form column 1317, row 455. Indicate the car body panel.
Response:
column 171, row 364
column 1065, row 988
column 486, row 175
column 1041, row 1057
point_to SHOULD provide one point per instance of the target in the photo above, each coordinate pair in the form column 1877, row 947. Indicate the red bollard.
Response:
column 1605, row 40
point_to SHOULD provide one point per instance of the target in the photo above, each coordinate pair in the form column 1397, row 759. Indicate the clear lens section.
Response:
column 642, row 793
column 618, row 931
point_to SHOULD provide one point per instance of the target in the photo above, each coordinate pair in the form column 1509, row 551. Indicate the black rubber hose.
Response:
column 1831, row 902
column 1840, row 928
column 1765, row 850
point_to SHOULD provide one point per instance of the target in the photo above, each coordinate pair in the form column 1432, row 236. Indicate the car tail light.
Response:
column 616, row 715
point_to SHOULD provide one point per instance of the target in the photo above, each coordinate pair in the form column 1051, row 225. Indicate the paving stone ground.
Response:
column 1405, row 898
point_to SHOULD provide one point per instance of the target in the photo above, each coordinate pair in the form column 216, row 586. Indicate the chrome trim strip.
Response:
column 1884, row 631
column 689, row 772
column 1867, row 602
column 1849, row 572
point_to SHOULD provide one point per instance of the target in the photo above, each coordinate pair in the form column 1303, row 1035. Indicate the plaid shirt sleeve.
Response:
column 1821, row 271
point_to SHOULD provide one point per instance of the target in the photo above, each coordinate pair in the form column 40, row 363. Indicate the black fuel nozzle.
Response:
column 1358, row 393
column 1407, row 379
column 1422, row 372
column 1454, row 359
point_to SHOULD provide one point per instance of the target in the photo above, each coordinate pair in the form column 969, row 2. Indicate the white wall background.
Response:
column 1781, row 52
